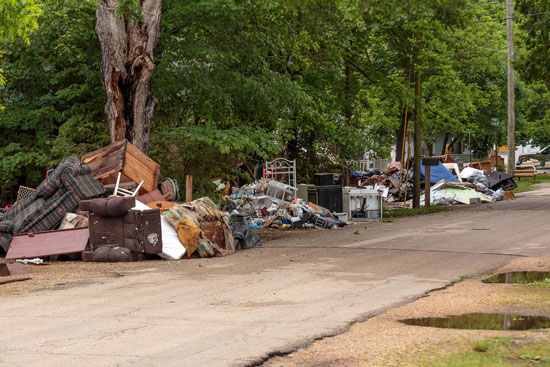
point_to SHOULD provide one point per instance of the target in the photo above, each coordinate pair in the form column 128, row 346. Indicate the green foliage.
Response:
column 395, row 213
column 244, row 81
column 498, row 351
column 53, row 98
column 533, row 64
column 18, row 18
column 528, row 184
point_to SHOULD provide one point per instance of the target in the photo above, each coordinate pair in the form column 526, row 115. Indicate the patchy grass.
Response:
column 500, row 351
column 526, row 184
column 414, row 211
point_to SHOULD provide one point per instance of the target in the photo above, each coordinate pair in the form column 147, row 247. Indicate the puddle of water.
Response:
column 483, row 321
column 519, row 277
column 12, row 269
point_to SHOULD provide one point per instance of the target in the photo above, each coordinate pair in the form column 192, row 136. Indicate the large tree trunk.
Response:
column 127, row 66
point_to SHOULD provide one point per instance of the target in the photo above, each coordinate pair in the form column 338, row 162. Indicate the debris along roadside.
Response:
column 451, row 183
column 108, row 207
column 111, row 207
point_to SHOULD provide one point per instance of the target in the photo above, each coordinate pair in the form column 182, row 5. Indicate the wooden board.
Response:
column 154, row 195
column 107, row 160
column 139, row 167
column 40, row 244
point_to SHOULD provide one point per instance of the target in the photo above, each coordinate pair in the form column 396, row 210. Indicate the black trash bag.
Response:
column 244, row 237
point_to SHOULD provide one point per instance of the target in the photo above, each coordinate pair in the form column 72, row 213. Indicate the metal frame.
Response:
column 281, row 166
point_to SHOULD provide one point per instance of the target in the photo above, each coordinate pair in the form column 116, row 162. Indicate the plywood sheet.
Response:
column 40, row 244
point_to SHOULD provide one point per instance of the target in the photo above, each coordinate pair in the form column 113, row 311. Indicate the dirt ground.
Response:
column 54, row 274
column 384, row 341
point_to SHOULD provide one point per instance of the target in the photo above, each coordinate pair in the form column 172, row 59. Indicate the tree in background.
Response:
column 17, row 20
column 128, row 32
column 53, row 96
column 534, row 67
column 245, row 81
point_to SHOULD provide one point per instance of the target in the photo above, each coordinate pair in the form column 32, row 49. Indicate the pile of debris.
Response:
column 108, row 207
column 272, row 204
column 451, row 184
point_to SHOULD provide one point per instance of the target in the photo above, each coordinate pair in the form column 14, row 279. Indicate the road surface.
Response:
column 239, row 310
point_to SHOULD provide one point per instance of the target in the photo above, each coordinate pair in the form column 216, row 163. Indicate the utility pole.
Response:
column 511, row 88
column 417, row 128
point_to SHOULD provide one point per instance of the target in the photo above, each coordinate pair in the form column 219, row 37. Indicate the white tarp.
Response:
column 172, row 249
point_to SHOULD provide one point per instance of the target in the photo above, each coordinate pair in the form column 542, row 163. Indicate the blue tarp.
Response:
column 438, row 173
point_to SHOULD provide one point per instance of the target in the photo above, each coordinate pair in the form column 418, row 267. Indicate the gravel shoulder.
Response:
column 384, row 341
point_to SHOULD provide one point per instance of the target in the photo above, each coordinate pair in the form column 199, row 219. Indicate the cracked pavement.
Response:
column 237, row 310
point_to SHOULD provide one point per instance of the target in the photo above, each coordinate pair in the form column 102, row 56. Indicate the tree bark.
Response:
column 127, row 66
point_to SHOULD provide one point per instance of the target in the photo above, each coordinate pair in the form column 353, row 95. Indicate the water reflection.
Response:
column 519, row 277
column 483, row 321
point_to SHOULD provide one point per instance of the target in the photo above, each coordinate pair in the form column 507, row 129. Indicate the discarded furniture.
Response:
column 113, row 223
column 281, row 191
column 328, row 197
column 281, row 169
column 323, row 179
column 526, row 171
column 485, row 166
column 58, row 194
column 202, row 227
column 362, row 204
column 154, row 195
column 122, row 157
column 125, row 192
column 50, row 243
column 302, row 191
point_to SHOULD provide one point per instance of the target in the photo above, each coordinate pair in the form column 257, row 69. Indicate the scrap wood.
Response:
column 123, row 157
column 150, row 197
column 270, row 221
column 314, row 207
column 509, row 195
column 48, row 243
column 14, row 280
column 161, row 204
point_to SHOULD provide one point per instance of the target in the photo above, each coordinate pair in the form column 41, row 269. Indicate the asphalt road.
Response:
column 237, row 310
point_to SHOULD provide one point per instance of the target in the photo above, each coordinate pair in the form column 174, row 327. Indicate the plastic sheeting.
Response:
column 244, row 237
column 438, row 173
